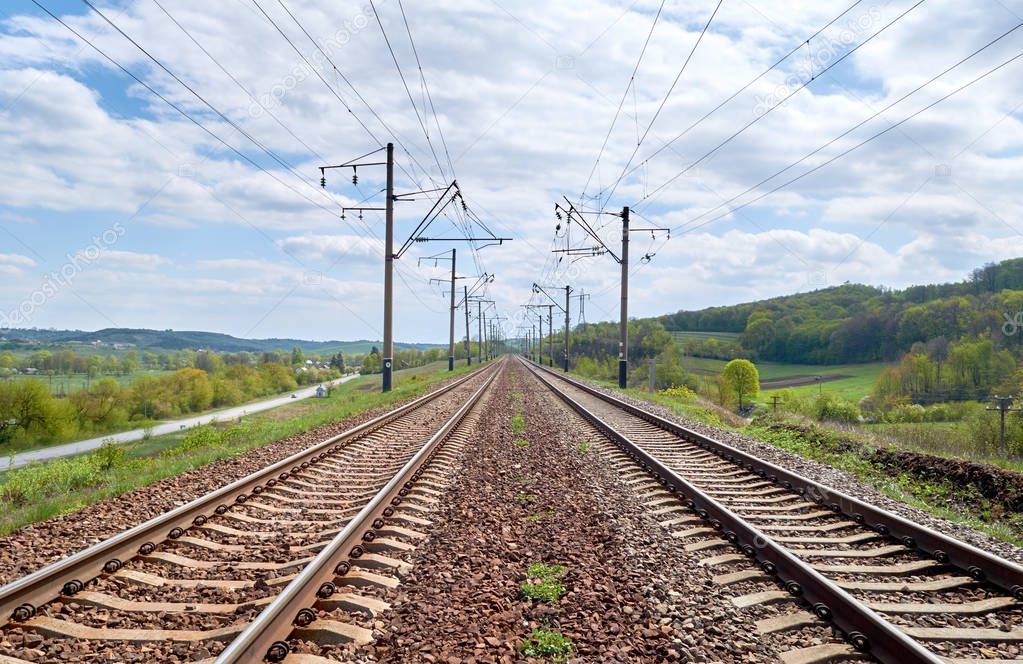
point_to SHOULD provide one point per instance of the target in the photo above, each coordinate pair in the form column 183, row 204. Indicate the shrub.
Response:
column 679, row 392
column 198, row 438
column 109, row 455
column 829, row 408
column 908, row 413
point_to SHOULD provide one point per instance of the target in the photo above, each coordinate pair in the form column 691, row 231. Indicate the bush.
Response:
column 196, row 439
column 912, row 413
column 679, row 392
column 109, row 455
column 829, row 408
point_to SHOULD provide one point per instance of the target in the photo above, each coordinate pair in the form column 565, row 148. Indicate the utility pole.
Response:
column 454, row 306
column 550, row 326
column 451, row 338
column 537, row 288
column 388, row 358
column 389, row 256
column 623, row 323
column 1003, row 406
column 486, row 339
column 653, row 374
column 479, row 322
column 468, row 347
column 600, row 248
column 568, row 302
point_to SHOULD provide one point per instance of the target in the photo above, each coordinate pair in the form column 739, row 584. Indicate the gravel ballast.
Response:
column 631, row 592
column 39, row 544
column 832, row 477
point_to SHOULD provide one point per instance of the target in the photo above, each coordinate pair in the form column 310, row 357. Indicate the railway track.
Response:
column 896, row 591
column 288, row 562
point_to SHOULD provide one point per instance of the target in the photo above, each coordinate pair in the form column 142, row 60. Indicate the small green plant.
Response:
column 538, row 517
column 109, row 455
column 525, row 498
column 517, row 423
column 545, row 582
column 547, row 643
column 584, row 447
column 521, row 443
column 544, row 590
column 543, row 570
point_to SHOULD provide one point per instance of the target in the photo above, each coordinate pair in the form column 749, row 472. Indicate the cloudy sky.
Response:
column 202, row 209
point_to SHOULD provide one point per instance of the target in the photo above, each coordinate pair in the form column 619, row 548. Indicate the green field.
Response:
column 39, row 491
column 859, row 380
column 63, row 383
column 683, row 336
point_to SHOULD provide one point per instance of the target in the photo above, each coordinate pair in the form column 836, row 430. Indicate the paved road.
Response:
column 80, row 446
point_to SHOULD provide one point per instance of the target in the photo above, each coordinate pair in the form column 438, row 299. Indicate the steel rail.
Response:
column 20, row 599
column 266, row 637
column 979, row 564
column 865, row 629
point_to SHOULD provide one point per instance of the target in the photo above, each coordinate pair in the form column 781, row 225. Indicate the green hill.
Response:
column 145, row 339
column 855, row 323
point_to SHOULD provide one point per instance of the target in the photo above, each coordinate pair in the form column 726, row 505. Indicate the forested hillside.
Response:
column 856, row 323
column 145, row 339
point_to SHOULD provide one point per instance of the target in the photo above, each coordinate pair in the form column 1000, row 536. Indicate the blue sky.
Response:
column 117, row 211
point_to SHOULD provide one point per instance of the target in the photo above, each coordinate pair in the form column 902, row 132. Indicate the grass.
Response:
column 583, row 447
column 547, row 643
column 545, row 583
column 64, row 383
column 43, row 490
column 860, row 381
column 517, row 423
column 682, row 336
column 942, row 498
column 520, row 443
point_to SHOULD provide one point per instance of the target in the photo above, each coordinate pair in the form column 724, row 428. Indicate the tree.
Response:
column 297, row 356
column 130, row 363
column 742, row 379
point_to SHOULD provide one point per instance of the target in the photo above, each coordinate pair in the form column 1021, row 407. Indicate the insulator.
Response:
column 355, row 179
column 342, row 216
column 323, row 182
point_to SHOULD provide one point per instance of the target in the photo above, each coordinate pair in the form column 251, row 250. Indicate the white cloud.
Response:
column 524, row 102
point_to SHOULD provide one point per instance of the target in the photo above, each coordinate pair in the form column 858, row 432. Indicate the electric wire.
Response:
column 767, row 112
column 238, row 83
column 856, row 126
column 738, row 92
column 667, row 95
column 860, row 144
column 621, row 103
